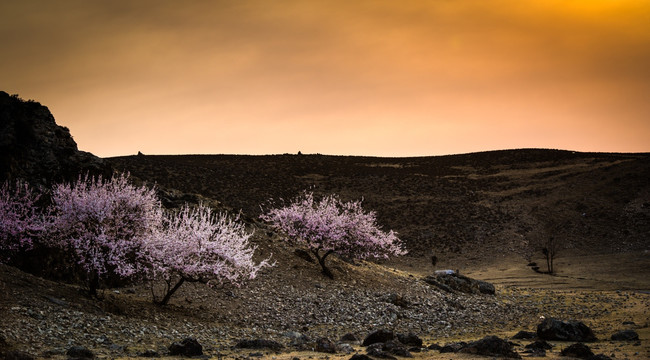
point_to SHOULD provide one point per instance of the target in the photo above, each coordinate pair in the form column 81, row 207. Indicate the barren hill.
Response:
column 473, row 205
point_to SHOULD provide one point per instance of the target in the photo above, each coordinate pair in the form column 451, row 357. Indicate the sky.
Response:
column 376, row 77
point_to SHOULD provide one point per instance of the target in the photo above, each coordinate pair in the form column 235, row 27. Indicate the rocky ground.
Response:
column 294, row 305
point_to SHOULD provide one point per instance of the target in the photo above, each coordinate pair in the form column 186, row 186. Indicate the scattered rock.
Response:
column 578, row 350
column 410, row 340
column 524, row 335
column 539, row 345
column 553, row 329
column 451, row 282
column 453, row 347
column 625, row 335
column 350, row 337
column 325, row 345
column 187, row 347
column 397, row 300
column 491, row 346
column 149, row 353
column 259, row 344
column 379, row 336
column 377, row 350
column 79, row 352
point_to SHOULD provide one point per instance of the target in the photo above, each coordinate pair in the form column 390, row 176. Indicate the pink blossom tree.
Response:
column 21, row 220
column 104, row 224
column 196, row 245
column 332, row 226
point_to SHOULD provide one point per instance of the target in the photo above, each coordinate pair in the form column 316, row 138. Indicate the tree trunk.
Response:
column 171, row 292
column 93, row 284
column 321, row 261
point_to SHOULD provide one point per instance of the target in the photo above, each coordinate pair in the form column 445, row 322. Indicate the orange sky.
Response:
column 386, row 78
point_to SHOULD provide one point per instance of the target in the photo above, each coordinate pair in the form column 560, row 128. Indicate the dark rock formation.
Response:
column 379, row 336
column 33, row 147
column 578, row 350
column 410, row 340
column 553, row 329
column 491, row 346
column 259, row 344
column 625, row 335
column 461, row 283
column 187, row 347
column 325, row 345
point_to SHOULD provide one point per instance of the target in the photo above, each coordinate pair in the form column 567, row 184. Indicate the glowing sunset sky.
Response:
column 386, row 78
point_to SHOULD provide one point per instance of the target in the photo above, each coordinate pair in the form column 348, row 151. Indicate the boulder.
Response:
column 187, row 347
column 379, row 336
column 553, row 329
column 578, row 350
column 349, row 337
column 325, row 345
column 410, row 340
column 452, row 281
column 491, row 346
column 625, row 335
column 259, row 344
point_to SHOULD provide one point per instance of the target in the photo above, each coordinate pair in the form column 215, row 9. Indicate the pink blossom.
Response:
column 21, row 221
column 196, row 245
column 333, row 226
column 105, row 224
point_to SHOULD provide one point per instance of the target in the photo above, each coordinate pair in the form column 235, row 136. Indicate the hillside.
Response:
column 470, row 206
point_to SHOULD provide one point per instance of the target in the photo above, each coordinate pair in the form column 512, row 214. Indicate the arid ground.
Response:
column 487, row 215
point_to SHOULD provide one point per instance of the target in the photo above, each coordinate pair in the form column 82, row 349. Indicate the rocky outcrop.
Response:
column 451, row 282
column 33, row 147
column 553, row 329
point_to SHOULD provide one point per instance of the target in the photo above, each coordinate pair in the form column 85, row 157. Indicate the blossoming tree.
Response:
column 332, row 226
column 104, row 224
column 196, row 245
column 21, row 220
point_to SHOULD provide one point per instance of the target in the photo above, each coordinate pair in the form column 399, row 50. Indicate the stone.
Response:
column 325, row 345
column 410, row 340
column 453, row 347
column 150, row 353
column 553, row 329
column 578, row 350
column 379, row 336
column 79, row 352
column 349, row 337
column 625, row 335
column 539, row 345
column 491, row 346
column 259, row 344
column 451, row 281
column 187, row 347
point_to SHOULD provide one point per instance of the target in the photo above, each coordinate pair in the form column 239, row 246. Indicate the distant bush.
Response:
column 196, row 245
column 332, row 226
